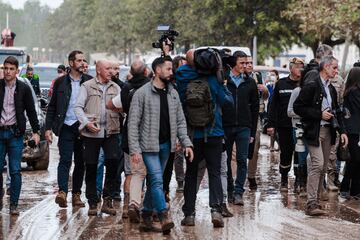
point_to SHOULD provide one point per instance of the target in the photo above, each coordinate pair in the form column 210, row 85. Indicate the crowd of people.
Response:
column 171, row 114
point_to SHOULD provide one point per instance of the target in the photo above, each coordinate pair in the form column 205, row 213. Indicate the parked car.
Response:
column 47, row 72
column 35, row 156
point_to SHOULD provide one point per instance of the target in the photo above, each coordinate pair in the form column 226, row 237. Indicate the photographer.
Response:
column 318, row 107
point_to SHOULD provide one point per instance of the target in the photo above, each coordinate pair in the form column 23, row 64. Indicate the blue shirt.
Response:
column 237, row 79
column 327, row 101
column 70, row 117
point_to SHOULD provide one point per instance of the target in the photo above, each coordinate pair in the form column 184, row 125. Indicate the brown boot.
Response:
column 165, row 220
column 147, row 223
column 76, row 200
column 61, row 199
column 92, row 210
column 126, row 205
column 107, row 207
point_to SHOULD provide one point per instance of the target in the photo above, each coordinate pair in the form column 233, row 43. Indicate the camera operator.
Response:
column 318, row 107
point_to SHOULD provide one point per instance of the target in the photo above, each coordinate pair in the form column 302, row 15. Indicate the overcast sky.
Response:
column 20, row 3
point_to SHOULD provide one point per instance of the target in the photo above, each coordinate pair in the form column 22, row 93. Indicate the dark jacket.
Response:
column 127, row 92
column 308, row 107
column 24, row 101
column 245, row 111
column 219, row 93
column 280, row 100
column 352, row 111
column 59, row 103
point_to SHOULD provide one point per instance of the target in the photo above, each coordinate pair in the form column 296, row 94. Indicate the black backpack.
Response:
column 198, row 107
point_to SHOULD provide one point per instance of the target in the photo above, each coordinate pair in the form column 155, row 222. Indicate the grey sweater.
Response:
column 290, row 110
column 144, row 120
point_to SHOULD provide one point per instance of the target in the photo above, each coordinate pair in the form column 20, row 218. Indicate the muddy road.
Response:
column 267, row 214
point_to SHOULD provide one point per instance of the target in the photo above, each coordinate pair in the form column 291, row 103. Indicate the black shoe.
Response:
column 238, row 200
column 230, row 197
column 284, row 183
column 180, row 187
column 188, row 221
column 252, row 183
column 13, row 210
column 166, row 221
column 147, row 222
column 134, row 214
column 92, row 210
column 117, row 197
column 225, row 211
column 217, row 220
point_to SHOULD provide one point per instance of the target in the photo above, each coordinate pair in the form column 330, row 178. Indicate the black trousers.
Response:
column 92, row 147
column 211, row 152
column 287, row 148
column 168, row 172
column 354, row 164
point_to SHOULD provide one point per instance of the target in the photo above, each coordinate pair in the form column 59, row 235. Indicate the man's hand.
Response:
column 110, row 105
column 251, row 140
column 326, row 115
column 36, row 138
column 344, row 140
column 166, row 47
column 91, row 126
column 49, row 136
column 136, row 158
column 189, row 154
column 271, row 131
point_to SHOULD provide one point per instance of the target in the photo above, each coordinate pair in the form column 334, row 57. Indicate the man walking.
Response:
column 318, row 107
column 15, row 99
column 61, row 119
column 100, row 128
column 279, row 120
column 156, row 120
column 240, row 123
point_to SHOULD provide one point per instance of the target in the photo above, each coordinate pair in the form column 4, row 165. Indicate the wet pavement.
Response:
column 267, row 214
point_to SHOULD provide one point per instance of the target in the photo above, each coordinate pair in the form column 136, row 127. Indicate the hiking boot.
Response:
column 324, row 196
column 314, row 210
column 107, row 207
column 345, row 195
column 180, row 187
column 76, row 200
column 61, row 199
column 230, row 197
column 167, row 197
column 217, row 220
column 188, row 221
column 284, row 184
column 155, row 217
column 134, row 214
column 126, row 205
column 165, row 220
column 225, row 211
column 302, row 192
column 117, row 197
column 14, row 210
column 238, row 200
column 252, row 183
column 147, row 223
column 92, row 210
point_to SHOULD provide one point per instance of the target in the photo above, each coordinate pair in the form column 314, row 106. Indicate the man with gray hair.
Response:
column 317, row 106
column 100, row 128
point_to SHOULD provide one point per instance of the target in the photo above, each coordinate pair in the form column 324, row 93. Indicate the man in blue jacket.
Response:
column 207, row 145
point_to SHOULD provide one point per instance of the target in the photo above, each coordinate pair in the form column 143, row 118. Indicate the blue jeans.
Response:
column 69, row 143
column 100, row 172
column 241, row 137
column 155, row 163
column 13, row 146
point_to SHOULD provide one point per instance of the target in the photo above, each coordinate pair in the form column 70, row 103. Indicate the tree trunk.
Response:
column 346, row 52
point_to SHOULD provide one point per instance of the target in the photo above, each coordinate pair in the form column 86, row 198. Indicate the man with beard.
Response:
column 156, row 120
column 100, row 128
column 61, row 119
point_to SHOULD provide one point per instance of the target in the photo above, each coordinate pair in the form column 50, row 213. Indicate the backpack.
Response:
column 198, row 108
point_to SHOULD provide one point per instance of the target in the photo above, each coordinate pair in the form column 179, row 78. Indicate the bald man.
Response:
column 100, row 128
